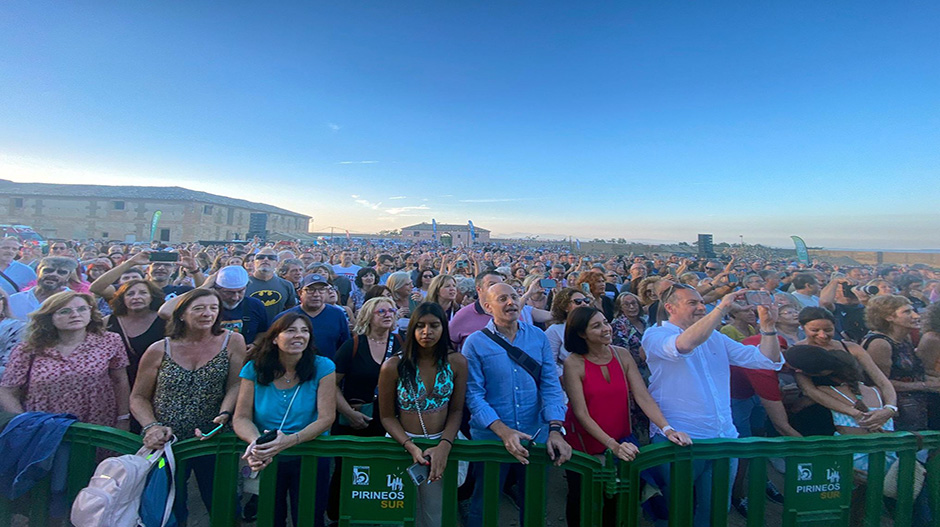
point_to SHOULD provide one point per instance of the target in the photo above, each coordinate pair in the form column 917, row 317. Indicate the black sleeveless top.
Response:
column 138, row 344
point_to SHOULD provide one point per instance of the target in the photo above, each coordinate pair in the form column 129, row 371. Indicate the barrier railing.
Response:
column 379, row 463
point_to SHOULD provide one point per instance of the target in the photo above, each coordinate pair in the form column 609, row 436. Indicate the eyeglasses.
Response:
column 316, row 290
column 67, row 311
column 581, row 301
column 60, row 272
column 265, row 257
column 385, row 311
column 672, row 289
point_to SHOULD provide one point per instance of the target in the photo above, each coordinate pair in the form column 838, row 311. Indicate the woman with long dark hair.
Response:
column 288, row 389
column 599, row 379
column 428, row 383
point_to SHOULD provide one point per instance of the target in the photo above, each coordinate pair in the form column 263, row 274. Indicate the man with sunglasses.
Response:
column 690, row 365
column 273, row 291
column 53, row 278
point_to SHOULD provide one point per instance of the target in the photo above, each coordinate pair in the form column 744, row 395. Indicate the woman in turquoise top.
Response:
column 428, row 381
column 286, row 387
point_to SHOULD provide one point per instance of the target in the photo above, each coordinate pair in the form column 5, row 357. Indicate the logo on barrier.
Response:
column 833, row 475
column 360, row 476
column 394, row 482
column 805, row 471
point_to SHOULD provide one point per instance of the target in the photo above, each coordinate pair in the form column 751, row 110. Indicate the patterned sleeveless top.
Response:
column 188, row 399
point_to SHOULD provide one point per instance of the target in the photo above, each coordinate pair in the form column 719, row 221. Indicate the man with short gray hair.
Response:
column 13, row 275
column 54, row 272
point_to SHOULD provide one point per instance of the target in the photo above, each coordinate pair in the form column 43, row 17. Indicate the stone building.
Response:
column 450, row 235
column 124, row 213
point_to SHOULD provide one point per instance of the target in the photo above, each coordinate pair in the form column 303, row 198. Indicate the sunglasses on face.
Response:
column 581, row 301
column 711, row 268
column 265, row 257
column 60, row 272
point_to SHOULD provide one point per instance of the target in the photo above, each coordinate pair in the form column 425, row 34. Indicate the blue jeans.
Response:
column 702, row 477
column 475, row 518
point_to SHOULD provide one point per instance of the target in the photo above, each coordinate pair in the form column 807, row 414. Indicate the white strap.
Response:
column 291, row 403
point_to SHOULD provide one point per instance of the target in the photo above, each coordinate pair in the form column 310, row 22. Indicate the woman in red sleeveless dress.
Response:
column 598, row 379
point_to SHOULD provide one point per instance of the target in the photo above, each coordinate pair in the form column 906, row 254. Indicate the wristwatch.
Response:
column 557, row 428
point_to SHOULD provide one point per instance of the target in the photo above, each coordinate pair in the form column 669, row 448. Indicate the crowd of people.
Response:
column 282, row 343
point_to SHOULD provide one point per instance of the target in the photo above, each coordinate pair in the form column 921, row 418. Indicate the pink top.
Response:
column 607, row 403
column 78, row 384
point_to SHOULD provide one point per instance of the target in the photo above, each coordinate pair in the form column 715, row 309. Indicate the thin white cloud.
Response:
column 366, row 203
column 399, row 210
column 491, row 200
column 357, row 162
column 333, row 126
column 398, row 197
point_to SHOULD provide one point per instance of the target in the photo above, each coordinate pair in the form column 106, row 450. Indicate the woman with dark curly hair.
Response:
column 892, row 319
column 68, row 363
column 366, row 277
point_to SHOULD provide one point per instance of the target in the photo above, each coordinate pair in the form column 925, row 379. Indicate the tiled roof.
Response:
column 132, row 193
column 425, row 226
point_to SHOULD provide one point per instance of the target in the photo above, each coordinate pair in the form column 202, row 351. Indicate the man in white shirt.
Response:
column 691, row 377
column 806, row 289
column 346, row 267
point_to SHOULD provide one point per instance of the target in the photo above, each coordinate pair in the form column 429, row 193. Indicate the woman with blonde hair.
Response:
column 443, row 292
column 68, row 364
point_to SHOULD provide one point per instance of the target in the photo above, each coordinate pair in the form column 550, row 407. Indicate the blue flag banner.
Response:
column 473, row 233
column 801, row 253
column 153, row 224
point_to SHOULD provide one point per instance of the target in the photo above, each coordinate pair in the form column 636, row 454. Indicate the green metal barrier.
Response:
column 620, row 480
column 806, row 504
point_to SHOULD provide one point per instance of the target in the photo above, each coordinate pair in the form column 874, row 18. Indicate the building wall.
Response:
column 80, row 218
column 460, row 237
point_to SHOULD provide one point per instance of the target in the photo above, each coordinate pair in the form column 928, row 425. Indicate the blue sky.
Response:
column 637, row 120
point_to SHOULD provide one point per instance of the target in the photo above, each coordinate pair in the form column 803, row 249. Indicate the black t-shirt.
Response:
column 173, row 291
column 360, row 371
column 851, row 320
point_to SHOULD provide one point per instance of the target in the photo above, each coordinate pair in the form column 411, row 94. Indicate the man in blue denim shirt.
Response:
column 505, row 401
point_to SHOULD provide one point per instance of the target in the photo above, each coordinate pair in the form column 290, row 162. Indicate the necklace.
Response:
column 288, row 381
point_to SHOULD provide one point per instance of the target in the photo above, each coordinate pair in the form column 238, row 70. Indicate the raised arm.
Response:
column 104, row 287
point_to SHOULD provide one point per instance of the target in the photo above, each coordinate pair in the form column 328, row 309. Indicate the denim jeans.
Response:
column 702, row 477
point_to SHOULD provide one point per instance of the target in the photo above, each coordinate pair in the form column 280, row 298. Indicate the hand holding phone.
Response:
column 419, row 473
column 212, row 428
column 266, row 437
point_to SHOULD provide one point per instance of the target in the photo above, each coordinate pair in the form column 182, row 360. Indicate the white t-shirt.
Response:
column 348, row 272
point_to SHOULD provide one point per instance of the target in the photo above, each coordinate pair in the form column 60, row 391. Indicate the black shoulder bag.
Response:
column 523, row 359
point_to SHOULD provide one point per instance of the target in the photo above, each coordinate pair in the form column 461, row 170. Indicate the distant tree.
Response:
column 621, row 240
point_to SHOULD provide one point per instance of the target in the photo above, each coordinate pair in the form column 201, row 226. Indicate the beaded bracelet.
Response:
column 143, row 430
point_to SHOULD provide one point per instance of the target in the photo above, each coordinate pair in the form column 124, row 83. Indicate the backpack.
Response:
column 113, row 496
